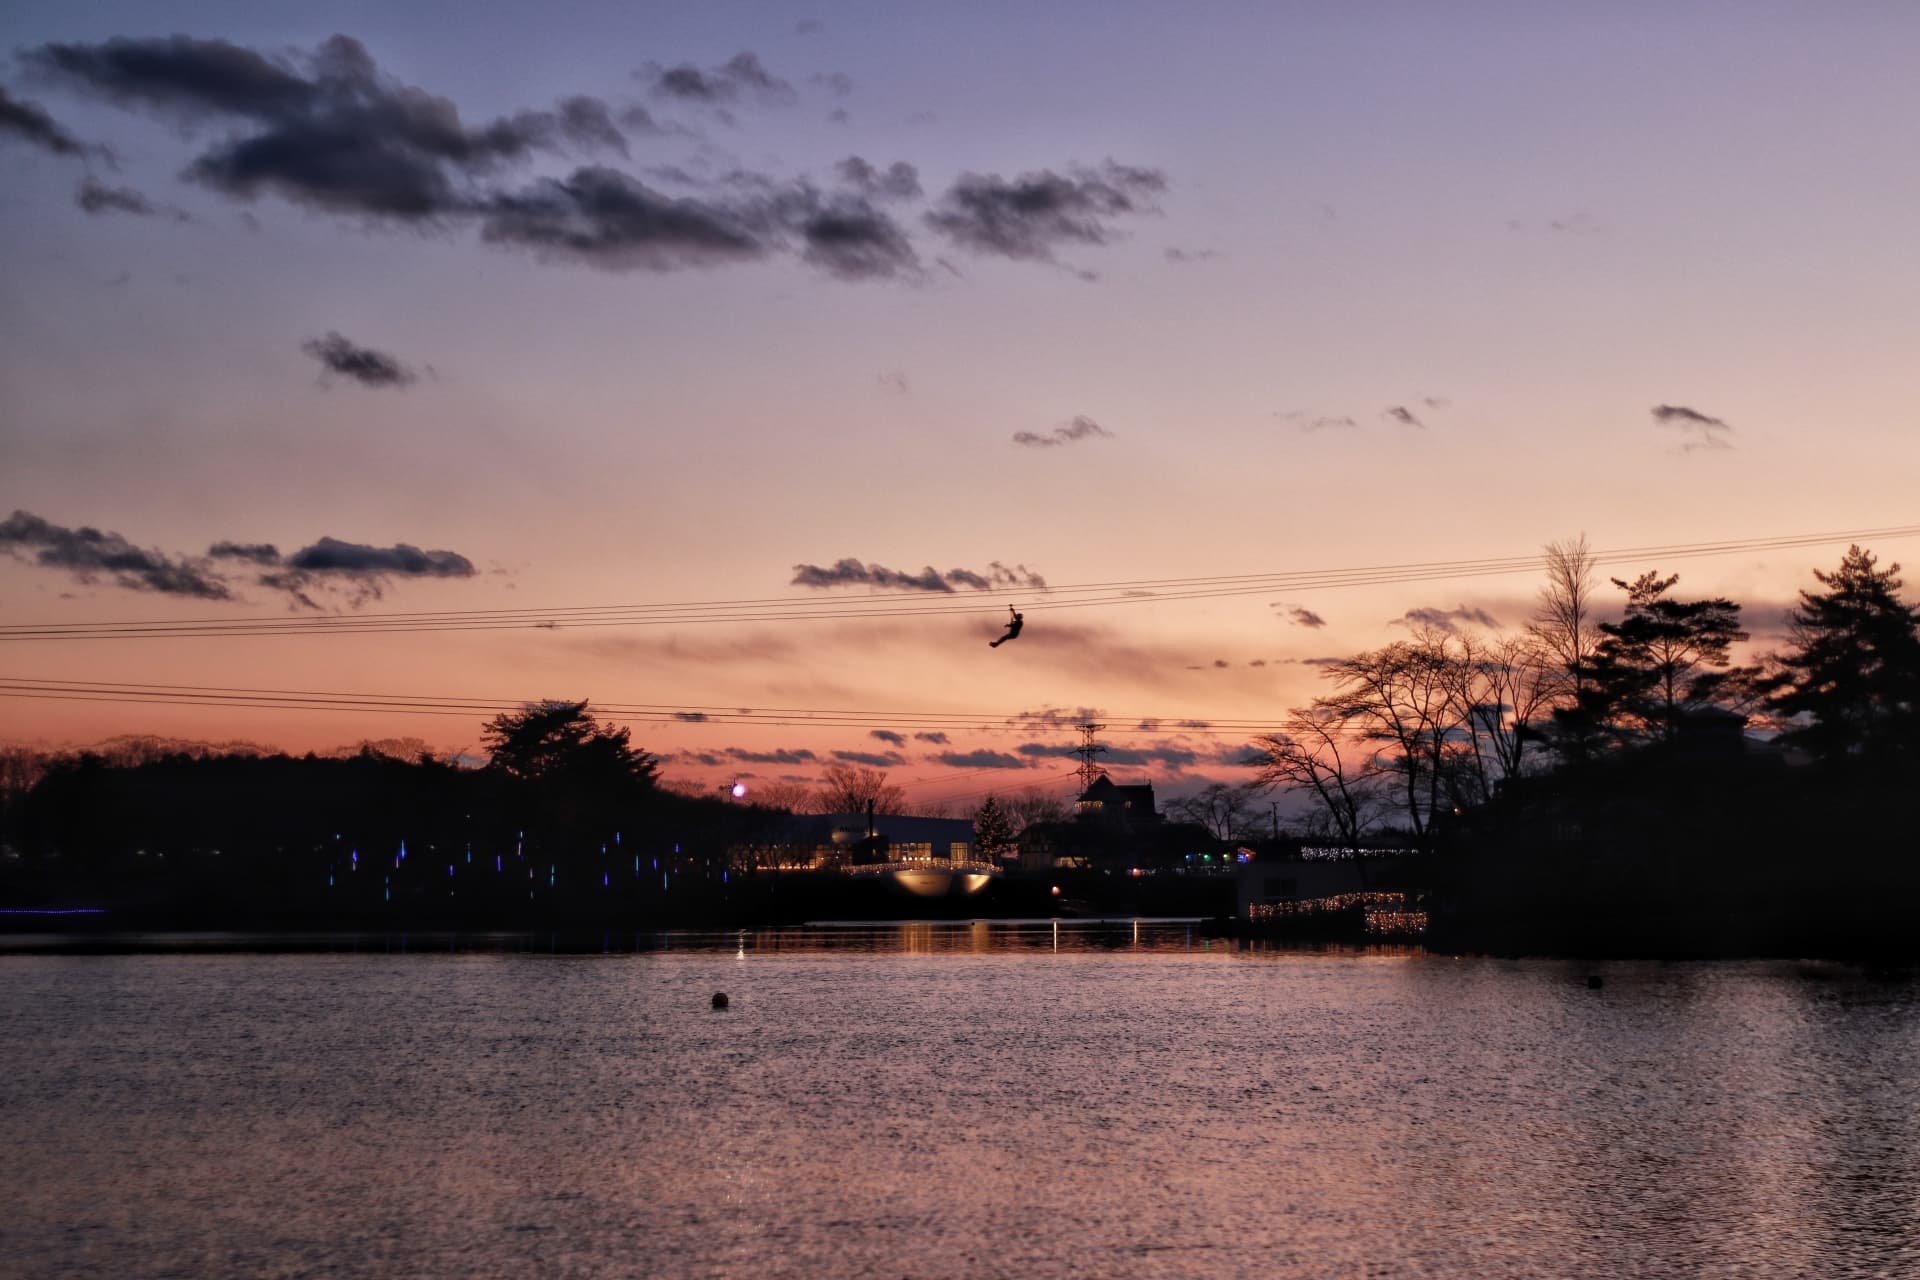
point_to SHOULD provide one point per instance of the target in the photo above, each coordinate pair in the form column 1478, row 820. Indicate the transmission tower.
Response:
column 1087, row 750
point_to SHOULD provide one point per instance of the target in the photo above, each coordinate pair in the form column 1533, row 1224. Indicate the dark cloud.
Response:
column 1057, row 718
column 895, row 381
column 898, row 181
column 937, row 739
column 603, row 218
column 779, row 756
column 741, row 78
column 329, row 567
column 848, row 238
column 587, row 122
column 1404, row 416
column 838, row 83
column 875, row 759
column 1081, row 428
column 262, row 553
column 850, row 572
column 888, row 736
column 1703, row 431
column 1031, row 216
column 1300, row 615
column 355, row 572
column 325, row 129
column 639, row 120
column 96, row 198
column 1172, row 755
column 89, row 554
column 1448, row 619
column 1191, row 255
column 809, row 27
column 331, row 555
column 982, row 759
column 26, row 120
column 364, row 365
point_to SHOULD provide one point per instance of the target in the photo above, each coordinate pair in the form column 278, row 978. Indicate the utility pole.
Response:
column 1087, row 750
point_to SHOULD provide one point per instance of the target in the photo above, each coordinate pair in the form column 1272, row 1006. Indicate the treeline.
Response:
column 1591, row 786
column 566, row 822
column 1444, row 722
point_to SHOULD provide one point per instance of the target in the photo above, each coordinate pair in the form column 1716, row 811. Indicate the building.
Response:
column 820, row 842
column 1129, row 806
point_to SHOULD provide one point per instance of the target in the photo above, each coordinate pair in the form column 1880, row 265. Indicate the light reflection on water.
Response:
column 942, row 1100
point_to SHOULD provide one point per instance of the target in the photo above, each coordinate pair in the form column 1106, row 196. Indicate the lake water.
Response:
column 953, row 1101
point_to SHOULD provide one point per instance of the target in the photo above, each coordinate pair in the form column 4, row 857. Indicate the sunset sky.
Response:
column 369, row 308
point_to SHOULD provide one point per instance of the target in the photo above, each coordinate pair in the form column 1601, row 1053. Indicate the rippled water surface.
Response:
column 954, row 1101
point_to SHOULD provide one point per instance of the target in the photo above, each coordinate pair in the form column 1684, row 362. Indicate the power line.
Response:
column 233, row 697
column 774, row 609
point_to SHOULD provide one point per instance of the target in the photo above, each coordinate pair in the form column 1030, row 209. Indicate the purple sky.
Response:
column 589, row 305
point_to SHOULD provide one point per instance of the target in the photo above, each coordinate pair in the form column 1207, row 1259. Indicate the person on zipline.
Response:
column 1013, row 630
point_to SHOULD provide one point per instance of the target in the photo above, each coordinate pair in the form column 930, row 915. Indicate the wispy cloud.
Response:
column 850, row 572
column 96, row 198
column 1032, row 216
column 898, row 181
column 1702, row 431
column 741, row 78
column 1449, row 620
column 364, row 365
column 1080, row 428
column 981, row 759
column 780, row 755
column 29, row 122
column 1299, row 615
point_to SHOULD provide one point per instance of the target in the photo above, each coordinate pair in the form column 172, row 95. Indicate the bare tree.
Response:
column 1314, row 753
column 781, row 793
column 1034, row 805
column 1225, row 811
column 1563, row 623
column 1401, row 698
column 1505, row 688
column 846, row 788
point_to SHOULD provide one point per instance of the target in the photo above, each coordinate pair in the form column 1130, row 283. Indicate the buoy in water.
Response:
column 719, row 999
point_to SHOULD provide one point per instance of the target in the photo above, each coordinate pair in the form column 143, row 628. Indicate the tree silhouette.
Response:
column 846, row 788
column 552, row 739
column 1225, row 811
column 1314, row 754
column 1665, row 660
column 992, row 830
column 1854, row 670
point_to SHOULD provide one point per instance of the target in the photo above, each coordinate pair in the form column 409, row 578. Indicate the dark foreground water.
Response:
column 953, row 1101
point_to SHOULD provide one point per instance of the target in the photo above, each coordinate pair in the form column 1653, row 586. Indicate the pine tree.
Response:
column 1666, row 659
column 1854, row 670
column 992, row 831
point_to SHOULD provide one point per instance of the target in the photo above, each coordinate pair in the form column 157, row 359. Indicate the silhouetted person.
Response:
column 1013, row 630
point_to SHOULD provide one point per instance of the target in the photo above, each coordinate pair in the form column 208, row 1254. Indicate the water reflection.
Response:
column 955, row 1100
